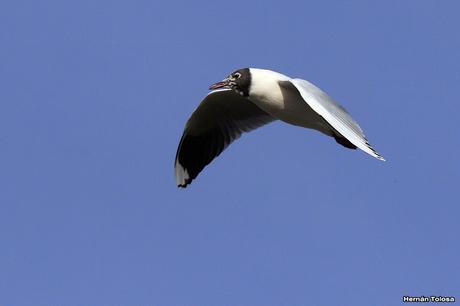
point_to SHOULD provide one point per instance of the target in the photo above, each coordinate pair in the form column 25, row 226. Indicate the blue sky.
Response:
column 94, row 96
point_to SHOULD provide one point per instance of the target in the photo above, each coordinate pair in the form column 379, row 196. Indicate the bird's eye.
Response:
column 237, row 75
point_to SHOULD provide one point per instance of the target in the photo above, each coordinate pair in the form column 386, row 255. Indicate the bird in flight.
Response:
column 249, row 98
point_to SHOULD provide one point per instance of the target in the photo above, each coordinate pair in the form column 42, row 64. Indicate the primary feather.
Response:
column 220, row 119
column 335, row 115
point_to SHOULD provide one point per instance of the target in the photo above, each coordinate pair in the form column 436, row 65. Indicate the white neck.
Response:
column 264, row 90
column 265, row 75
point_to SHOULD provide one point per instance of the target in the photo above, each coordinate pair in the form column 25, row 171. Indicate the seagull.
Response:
column 250, row 98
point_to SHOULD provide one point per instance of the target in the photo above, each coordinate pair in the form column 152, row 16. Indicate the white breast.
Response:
column 282, row 102
column 265, row 91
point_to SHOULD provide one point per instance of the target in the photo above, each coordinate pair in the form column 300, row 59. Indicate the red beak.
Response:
column 222, row 84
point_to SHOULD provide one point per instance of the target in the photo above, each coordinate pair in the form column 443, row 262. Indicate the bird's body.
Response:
column 276, row 95
column 250, row 98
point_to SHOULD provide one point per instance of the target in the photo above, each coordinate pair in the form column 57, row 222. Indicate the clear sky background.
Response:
column 93, row 100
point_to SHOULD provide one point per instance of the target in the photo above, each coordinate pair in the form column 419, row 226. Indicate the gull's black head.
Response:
column 239, row 81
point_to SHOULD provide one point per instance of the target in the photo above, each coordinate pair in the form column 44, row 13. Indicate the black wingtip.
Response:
column 182, row 185
column 185, row 184
column 379, row 157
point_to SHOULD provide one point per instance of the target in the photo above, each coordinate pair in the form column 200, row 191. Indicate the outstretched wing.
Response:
column 335, row 115
column 220, row 118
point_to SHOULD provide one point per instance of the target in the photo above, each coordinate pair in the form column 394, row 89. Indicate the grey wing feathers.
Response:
column 220, row 118
column 335, row 115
